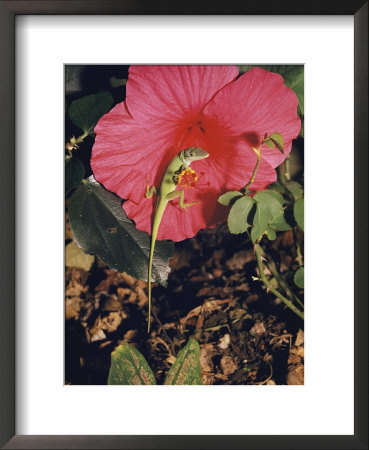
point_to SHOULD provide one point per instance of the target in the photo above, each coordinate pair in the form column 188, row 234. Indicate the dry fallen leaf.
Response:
column 108, row 323
column 72, row 308
column 296, row 375
column 224, row 342
column 258, row 328
column 75, row 257
column 206, row 354
column 299, row 338
column 227, row 365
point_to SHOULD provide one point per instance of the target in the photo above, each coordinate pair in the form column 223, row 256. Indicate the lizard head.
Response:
column 193, row 154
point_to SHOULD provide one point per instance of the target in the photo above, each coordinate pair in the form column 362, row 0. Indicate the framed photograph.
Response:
column 206, row 128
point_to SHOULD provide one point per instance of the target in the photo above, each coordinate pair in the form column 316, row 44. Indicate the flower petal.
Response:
column 178, row 223
column 165, row 94
column 164, row 113
column 258, row 102
column 125, row 153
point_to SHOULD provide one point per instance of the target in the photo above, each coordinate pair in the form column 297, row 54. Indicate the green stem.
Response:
column 288, row 173
column 282, row 282
column 298, row 248
column 80, row 138
column 282, row 172
column 252, row 179
column 288, row 303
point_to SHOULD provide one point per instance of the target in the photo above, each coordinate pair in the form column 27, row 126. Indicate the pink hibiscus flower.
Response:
column 170, row 108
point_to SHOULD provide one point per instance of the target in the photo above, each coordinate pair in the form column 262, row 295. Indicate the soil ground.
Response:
column 246, row 335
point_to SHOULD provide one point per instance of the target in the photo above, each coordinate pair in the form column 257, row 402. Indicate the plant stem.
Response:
column 288, row 173
column 80, row 138
column 252, row 179
column 298, row 248
column 282, row 282
column 282, row 173
column 73, row 142
column 288, row 303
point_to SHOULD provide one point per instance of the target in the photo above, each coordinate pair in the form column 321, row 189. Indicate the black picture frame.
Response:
column 8, row 11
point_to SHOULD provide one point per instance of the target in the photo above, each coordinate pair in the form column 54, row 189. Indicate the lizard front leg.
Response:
column 150, row 191
column 180, row 194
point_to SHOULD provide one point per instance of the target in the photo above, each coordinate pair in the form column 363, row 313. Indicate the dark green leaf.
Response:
column 261, row 220
column 74, row 173
column 86, row 111
column 299, row 277
column 187, row 368
column 228, row 197
column 101, row 227
column 117, row 82
column 295, row 188
column 246, row 67
column 128, row 366
column 73, row 76
column 277, row 140
column 298, row 211
column 237, row 219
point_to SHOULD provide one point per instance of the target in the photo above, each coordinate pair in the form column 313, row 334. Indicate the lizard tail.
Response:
column 152, row 246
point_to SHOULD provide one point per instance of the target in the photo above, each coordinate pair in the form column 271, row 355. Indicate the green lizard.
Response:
column 168, row 192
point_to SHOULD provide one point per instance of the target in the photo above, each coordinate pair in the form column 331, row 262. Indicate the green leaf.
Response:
column 75, row 257
column 272, row 199
column 237, row 219
column 128, row 366
column 261, row 220
column 273, row 202
column 271, row 234
column 228, row 197
column 187, row 368
column 295, row 188
column 299, row 277
column 277, row 140
column 280, row 223
column 86, row 111
column 298, row 212
column 101, row 227
column 269, row 144
column 278, row 187
column 74, row 173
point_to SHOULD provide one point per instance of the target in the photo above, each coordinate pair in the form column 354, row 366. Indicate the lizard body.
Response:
column 167, row 192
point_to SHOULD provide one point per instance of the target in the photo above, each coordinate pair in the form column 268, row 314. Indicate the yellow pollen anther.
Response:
column 187, row 178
